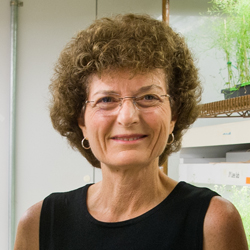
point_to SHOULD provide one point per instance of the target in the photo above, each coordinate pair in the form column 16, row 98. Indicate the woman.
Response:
column 124, row 91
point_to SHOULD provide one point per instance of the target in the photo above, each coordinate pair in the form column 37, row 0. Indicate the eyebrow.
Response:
column 149, row 87
column 142, row 89
column 106, row 92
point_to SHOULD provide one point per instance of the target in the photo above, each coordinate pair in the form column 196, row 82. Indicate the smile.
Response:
column 128, row 138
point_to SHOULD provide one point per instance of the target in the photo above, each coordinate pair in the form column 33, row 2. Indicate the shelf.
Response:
column 212, row 154
column 233, row 107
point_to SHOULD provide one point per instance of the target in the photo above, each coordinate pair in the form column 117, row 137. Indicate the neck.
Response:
column 126, row 194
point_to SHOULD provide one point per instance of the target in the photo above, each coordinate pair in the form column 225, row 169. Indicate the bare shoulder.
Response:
column 27, row 237
column 223, row 229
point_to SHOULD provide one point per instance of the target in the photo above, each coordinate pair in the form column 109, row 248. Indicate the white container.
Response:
column 217, row 173
column 240, row 156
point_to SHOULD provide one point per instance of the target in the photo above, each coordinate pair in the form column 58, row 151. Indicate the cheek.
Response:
column 96, row 127
column 162, row 118
column 162, row 125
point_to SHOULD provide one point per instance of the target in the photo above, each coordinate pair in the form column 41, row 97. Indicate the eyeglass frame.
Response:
column 134, row 100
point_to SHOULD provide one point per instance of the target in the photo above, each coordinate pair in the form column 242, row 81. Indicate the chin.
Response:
column 131, row 160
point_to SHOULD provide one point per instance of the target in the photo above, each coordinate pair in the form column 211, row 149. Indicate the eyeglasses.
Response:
column 145, row 103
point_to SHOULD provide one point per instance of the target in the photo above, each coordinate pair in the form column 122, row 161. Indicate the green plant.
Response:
column 231, row 33
column 240, row 197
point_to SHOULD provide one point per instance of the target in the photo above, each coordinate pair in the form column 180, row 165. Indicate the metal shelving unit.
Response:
column 233, row 107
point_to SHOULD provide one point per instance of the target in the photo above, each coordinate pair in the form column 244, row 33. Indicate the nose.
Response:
column 128, row 113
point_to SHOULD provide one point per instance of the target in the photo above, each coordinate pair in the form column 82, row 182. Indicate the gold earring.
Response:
column 169, row 143
column 82, row 143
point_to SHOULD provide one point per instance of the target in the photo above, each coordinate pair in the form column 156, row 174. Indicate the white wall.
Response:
column 112, row 7
column 45, row 163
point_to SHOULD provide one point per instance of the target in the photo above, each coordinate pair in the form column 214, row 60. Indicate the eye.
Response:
column 150, row 97
column 107, row 99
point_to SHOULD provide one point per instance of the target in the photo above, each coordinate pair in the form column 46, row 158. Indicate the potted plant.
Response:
column 232, row 35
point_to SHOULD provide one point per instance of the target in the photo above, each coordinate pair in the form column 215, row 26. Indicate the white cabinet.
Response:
column 218, row 154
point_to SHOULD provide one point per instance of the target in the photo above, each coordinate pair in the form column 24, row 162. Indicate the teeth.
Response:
column 129, row 139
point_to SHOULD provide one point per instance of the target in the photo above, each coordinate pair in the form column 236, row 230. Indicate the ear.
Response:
column 81, row 124
column 172, row 125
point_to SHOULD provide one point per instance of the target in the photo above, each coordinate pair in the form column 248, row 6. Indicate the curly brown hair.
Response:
column 138, row 43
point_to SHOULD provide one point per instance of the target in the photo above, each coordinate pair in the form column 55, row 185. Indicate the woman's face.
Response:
column 127, row 136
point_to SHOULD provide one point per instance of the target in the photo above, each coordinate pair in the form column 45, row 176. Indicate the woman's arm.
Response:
column 223, row 229
column 27, row 237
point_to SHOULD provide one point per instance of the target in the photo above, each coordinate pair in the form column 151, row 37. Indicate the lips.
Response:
column 128, row 137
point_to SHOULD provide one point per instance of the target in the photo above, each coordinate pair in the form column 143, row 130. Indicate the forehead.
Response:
column 125, row 82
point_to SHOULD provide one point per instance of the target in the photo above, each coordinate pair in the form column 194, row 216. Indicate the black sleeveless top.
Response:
column 175, row 224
